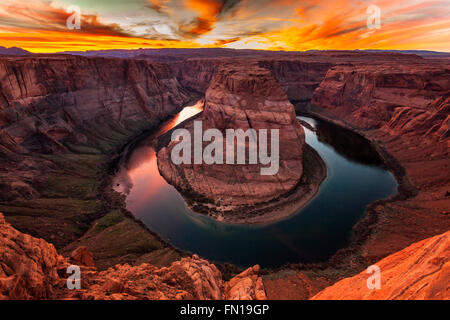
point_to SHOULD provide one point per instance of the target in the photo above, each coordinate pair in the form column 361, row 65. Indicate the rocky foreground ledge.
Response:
column 246, row 96
column 418, row 272
column 31, row 268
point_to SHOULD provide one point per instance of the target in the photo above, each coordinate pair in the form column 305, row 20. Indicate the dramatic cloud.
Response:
column 37, row 16
column 264, row 24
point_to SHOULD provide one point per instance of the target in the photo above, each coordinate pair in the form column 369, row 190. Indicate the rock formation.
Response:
column 369, row 95
column 28, row 266
column 298, row 74
column 82, row 256
column 246, row 286
column 196, row 74
column 298, row 77
column 241, row 97
column 31, row 268
column 49, row 103
column 418, row 272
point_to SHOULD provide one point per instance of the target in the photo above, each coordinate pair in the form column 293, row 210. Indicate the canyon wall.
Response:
column 299, row 74
column 370, row 95
column 47, row 99
column 196, row 74
column 404, row 110
column 62, row 118
column 297, row 77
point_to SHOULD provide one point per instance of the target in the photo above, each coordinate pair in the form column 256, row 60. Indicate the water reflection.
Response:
column 141, row 170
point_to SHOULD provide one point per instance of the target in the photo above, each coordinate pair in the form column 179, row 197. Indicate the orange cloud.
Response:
column 38, row 16
column 207, row 14
column 342, row 25
column 39, row 27
column 55, row 41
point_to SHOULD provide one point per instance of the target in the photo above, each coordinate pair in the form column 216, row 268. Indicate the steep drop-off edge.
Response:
column 31, row 268
column 376, row 110
column 366, row 99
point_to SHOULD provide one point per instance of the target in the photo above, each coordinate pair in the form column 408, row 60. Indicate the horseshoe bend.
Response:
column 247, row 97
column 87, row 177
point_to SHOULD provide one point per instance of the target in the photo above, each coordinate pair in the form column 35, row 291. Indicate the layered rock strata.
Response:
column 45, row 100
column 402, row 107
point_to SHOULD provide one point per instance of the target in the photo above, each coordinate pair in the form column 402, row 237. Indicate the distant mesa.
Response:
column 14, row 51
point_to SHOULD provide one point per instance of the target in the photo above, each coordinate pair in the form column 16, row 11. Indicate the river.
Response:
column 356, row 176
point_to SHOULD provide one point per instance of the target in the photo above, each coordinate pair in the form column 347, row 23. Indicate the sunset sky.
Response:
column 40, row 26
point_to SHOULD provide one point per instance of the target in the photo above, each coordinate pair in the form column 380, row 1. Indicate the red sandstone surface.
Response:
column 418, row 272
column 31, row 268
column 49, row 103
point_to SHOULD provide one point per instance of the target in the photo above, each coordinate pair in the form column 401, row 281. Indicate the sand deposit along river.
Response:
column 356, row 177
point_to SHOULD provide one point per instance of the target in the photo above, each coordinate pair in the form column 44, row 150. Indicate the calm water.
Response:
column 355, row 178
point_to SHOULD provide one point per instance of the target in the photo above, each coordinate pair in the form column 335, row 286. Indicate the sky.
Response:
column 40, row 25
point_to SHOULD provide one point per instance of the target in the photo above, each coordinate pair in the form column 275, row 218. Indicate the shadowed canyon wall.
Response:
column 45, row 100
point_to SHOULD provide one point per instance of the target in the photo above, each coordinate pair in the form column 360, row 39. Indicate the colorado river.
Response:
column 356, row 177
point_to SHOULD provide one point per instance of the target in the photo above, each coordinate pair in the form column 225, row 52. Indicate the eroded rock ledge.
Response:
column 31, row 268
column 420, row 271
column 243, row 97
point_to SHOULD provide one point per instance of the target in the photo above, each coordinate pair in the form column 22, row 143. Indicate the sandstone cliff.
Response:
column 418, row 272
column 47, row 99
column 241, row 97
column 298, row 77
column 31, row 268
column 298, row 74
column 196, row 74
column 368, row 95
column 61, row 119
column 28, row 266
column 51, row 104
column 403, row 108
